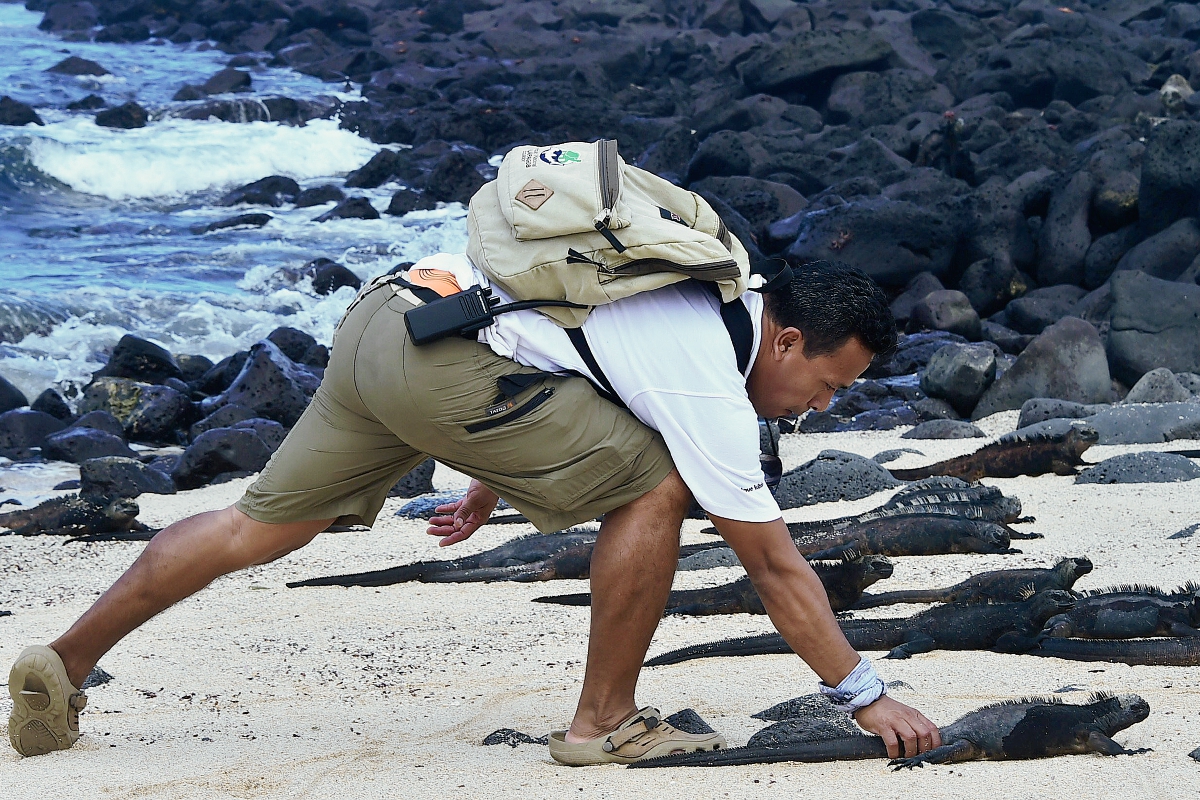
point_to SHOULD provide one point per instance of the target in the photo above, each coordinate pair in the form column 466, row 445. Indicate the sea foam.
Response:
column 174, row 157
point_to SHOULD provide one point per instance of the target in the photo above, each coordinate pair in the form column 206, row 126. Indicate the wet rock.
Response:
column 1065, row 236
column 959, row 374
column 943, row 429
column 329, row 276
column 227, row 80
column 382, row 167
column 1167, row 253
column 316, row 356
column 51, row 402
column 123, row 32
column 272, row 385
column 319, row 195
column 1189, row 381
column 453, row 179
column 221, row 374
column 128, row 115
column 832, row 476
column 406, row 200
column 91, row 102
column 291, row 342
column 1170, row 186
column 946, row 310
column 14, row 112
column 880, row 98
column 74, row 65
column 77, row 445
column 140, row 360
column 1154, row 323
column 1158, row 386
column 192, row 367
column 1141, row 468
column 101, row 421
column 802, row 62
column 270, row 431
column 219, row 451
column 415, row 482
column 759, row 201
column 1066, row 361
column 240, row 221
column 892, row 241
column 188, row 93
column 69, row 17
column 11, row 397
column 23, row 429
column 273, row 190
column 922, row 284
column 1040, row 308
column 351, row 208
column 721, row 154
column 224, row 417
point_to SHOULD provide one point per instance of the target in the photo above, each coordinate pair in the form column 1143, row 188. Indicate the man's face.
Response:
column 784, row 380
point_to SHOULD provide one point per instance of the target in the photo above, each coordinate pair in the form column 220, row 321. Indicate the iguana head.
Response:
column 123, row 509
column 994, row 537
column 1080, row 437
column 1072, row 569
column 1044, row 605
column 1118, row 712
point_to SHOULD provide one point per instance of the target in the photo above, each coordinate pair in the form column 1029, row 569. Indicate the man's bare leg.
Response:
column 632, row 567
column 178, row 562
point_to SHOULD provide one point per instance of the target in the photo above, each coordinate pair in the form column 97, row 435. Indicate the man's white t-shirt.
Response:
column 668, row 356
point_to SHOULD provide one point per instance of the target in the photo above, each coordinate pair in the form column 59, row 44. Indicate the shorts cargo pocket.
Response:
column 508, row 411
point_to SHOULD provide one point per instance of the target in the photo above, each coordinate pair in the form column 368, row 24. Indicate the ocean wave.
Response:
column 174, row 158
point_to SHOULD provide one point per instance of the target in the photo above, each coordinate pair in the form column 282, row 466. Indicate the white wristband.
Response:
column 857, row 690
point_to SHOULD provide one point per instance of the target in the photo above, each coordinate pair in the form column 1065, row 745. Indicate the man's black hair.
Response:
column 830, row 302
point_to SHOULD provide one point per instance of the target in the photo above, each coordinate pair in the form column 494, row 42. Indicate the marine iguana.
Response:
column 1178, row 652
column 528, row 558
column 1004, row 627
column 1035, row 727
column 1129, row 612
column 1019, row 455
column 997, row 586
column 74, row 515
column 844, row 582
column 911, row 535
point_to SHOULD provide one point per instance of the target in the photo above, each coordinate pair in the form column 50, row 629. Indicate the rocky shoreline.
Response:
column 1023, row 177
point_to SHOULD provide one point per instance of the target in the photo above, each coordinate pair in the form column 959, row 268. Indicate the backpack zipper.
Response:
column 610, row 181
column 726, row 269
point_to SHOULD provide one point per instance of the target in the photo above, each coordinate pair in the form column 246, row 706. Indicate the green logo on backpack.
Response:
column 560, row 157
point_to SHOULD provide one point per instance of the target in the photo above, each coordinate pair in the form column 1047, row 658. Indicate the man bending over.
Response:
column 519, row 411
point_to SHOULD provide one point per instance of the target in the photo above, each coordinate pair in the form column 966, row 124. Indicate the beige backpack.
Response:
column 574, row 222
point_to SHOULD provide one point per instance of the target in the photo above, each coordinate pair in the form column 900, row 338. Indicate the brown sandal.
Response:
column 45, row 713
column 641, row 736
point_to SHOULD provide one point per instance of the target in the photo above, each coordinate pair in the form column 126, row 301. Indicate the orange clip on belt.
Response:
column 438, row 280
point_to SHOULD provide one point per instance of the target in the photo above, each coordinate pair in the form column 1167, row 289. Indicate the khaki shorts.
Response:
column 560, row 454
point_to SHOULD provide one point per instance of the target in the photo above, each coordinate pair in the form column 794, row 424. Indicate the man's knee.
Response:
column 261, row 542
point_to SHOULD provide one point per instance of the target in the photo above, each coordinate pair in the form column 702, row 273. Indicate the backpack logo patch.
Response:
column 559, row 158
column 671, row 215
column 534, row 194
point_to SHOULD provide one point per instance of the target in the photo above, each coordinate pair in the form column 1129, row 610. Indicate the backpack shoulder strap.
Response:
column 605, row 389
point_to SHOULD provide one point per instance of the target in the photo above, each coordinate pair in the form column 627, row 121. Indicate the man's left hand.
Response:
column 462, row 518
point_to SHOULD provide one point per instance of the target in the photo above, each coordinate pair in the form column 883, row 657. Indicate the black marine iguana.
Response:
column 1004, row 627
column 1014, row 455
column 1129, row 612
column 537, row 557
column 1036, row 727
column 73, row 515
column 844, row 582
column 911, row 535
column 1178, row 652
column 997, row 586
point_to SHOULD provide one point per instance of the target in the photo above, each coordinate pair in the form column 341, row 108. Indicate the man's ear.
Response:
column 787, row 340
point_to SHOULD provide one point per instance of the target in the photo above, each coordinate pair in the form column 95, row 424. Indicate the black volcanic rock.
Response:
column 218, row 451
column 319, row 195
column 79, row 444
column 14, row 112
column 273, row 190
column 129, row 115
column 89, row 103
column 351, row 208
column 11, row 397
column 1167, row 253
column 51, row 402
column 291, row 342
column 802, row 62
column 1154, row 323
column 254, row 220
column 23, row 429
column 74, row 65
column 227, row 80
column 116, row 476
column 1170, row 185
column 69, row 17
column 328, row 276
column 453, row 179
column 140, row 360
column 272, row 385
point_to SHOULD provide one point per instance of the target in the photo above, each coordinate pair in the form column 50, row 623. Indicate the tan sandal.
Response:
column 641, row 736
column 45, row 713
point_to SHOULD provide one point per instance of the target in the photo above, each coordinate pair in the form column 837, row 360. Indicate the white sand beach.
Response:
column 251, row 689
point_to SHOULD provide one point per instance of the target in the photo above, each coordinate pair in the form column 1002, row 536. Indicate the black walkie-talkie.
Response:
column 464, row 313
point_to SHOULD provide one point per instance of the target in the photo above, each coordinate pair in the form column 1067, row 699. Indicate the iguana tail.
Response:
column 379, row 577
column 1182, row 652
column 848, row 749
column 767, row 643
column 581, row 599
column 905, row 596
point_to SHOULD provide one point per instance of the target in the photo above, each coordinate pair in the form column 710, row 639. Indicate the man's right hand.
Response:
column 463, row 517
column 896, row 723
